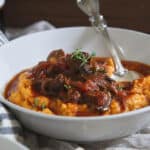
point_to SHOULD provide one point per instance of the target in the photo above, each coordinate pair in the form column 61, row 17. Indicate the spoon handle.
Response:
column 99, row 23
column 91, row 8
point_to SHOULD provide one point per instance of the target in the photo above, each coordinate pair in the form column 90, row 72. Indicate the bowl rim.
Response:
column 73, row 28
column 73, row 118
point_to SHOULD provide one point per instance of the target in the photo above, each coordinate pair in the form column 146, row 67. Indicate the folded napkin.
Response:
column 11, row 128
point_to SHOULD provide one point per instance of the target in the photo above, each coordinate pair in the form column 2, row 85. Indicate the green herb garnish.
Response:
column 93, row 54
column 102, row 70
column 79, row 55
column 67, row 87
column 36, row 102
column 43, row 106
column 120, row 88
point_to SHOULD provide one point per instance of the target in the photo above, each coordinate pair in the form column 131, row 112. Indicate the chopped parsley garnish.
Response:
column 43, row 106
column 67, row 87
column 102, row 70
column 79, row 55
column 36, row 102
column 93, row 54
column 120, row 88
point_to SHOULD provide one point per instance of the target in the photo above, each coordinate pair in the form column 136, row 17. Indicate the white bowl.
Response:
column 28, row 50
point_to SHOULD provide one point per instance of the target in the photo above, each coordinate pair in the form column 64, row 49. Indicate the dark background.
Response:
column 131, row 14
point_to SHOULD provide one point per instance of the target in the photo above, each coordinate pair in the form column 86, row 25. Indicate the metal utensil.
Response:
column 91, row 8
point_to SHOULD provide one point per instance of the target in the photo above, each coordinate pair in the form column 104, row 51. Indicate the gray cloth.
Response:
column 11, row 128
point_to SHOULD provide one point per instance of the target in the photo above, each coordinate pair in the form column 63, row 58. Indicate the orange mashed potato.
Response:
column 25, row 97
column 79, row 84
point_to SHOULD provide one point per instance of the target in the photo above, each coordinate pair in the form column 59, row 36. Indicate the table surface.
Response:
column 130, row 14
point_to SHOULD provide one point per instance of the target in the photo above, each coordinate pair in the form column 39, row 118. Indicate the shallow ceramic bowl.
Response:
column 28, row 50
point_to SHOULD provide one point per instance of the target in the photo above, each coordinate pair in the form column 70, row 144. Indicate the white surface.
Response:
column 27, row 51
column 6, row 144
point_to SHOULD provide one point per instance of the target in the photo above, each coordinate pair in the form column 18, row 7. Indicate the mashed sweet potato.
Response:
column 84, row 89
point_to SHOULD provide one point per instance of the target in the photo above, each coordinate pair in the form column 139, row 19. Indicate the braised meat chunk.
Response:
column 75, row 78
